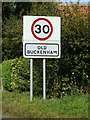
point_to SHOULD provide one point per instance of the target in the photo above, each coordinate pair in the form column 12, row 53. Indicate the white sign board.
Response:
column 41, row 37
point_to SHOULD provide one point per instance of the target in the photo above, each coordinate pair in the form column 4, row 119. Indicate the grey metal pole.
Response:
column 31, row 79
column 44, row 79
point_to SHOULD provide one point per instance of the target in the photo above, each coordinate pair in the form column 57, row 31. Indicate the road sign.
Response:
column 41, row 37
column 42, row 29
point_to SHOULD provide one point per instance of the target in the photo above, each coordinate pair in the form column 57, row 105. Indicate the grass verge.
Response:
column 18, row 105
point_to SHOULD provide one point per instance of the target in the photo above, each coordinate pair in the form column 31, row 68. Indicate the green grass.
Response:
column 16, row 105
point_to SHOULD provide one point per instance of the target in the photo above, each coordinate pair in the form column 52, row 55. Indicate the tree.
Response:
column 12, row 38
column 7, row 9
column 21, row 8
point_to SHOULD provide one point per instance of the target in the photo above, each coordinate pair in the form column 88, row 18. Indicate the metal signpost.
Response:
column 44, row 79
column 31, row 79
column 41, row 39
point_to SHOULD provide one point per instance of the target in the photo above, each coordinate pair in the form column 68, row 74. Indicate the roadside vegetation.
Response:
column 18, row 105
column 68, row 78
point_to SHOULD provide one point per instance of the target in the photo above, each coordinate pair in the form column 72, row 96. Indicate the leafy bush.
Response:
column 20, row 74
column 6, row 74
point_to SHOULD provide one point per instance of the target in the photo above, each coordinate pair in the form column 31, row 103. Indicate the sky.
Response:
column 81, row 1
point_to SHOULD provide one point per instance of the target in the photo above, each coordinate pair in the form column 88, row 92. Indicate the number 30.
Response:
column 43, row 29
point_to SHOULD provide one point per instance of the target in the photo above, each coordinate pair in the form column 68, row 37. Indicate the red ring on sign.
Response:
column 32, row 29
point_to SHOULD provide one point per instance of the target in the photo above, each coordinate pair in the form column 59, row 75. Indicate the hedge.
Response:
column 17, row 78
column 6, row 74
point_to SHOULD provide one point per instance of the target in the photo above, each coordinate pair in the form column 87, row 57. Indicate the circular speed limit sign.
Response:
column 42, row 29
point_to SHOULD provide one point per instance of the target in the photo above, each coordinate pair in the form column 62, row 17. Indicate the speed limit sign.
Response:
column 41, row 37
column 42, row 29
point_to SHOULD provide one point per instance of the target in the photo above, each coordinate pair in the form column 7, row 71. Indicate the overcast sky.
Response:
column 73, row 0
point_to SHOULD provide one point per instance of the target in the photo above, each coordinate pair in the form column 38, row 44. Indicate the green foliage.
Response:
column 20, row 75
column 12, row 38
column 43, row 9
column 74, row 64
column 6, row 74
column 67, row 75
column 21, row 8
column 7, row 9
column 37, row 77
